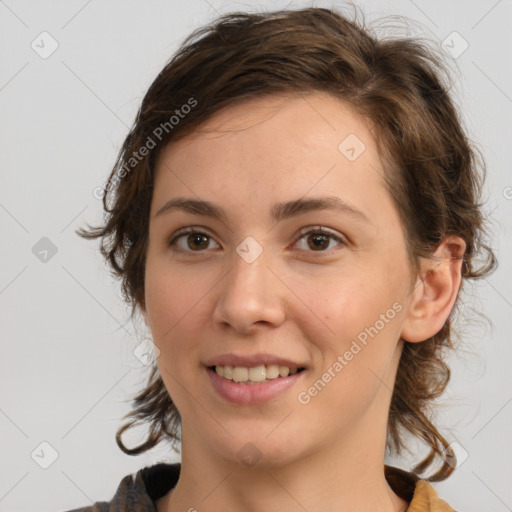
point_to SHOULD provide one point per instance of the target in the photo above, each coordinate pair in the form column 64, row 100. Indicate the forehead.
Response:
column 300, row 113
column 315, row 121
column 275, row 146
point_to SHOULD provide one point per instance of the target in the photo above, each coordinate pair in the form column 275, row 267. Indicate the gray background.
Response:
column 67, row 364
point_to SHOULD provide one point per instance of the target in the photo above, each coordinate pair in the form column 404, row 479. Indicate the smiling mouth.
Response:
column 254, row 375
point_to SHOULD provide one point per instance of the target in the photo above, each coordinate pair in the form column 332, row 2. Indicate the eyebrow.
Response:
column 280, row 211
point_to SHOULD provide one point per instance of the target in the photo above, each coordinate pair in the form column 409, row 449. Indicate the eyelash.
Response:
column 303, row 233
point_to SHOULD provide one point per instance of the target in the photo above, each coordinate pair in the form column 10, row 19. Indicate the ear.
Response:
column 435, row 291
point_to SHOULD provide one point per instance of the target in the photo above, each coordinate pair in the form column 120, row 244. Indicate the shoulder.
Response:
column 139, row 492
column 420, row 494
column 425, row 499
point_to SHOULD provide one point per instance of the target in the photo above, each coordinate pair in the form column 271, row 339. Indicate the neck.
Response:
column 345, row 477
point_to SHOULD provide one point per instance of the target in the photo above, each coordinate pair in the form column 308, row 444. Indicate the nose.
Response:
column 250, row 294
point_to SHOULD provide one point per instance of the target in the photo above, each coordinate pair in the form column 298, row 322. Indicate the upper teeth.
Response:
column 255, row 374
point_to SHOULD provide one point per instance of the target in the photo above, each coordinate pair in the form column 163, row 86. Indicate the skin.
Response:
column 295, row 300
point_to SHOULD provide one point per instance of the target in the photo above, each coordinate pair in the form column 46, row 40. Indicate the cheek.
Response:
column 172, row 308
column 357, row 318
column 178, row 307
column 345, row 305
column 169, row 298
column 356, row 361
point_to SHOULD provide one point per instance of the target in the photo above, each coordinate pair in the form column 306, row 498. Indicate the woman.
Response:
column 293, row 214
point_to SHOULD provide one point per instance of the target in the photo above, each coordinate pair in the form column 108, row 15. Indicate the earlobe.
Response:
column 435, row 292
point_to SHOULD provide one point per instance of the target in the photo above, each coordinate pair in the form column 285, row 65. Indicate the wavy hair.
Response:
column 433, row 172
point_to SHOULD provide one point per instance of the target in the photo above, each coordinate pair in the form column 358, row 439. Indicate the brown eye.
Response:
column 197, row 241
column 319, row 240
column 192, row 241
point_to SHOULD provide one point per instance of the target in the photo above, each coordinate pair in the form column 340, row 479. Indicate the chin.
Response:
column 258, row 452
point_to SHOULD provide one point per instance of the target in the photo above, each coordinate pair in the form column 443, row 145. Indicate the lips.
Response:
column 259, row 392
column 240, row 391
column 252, row 360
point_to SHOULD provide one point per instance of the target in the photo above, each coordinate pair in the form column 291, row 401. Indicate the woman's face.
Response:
column 273, row 279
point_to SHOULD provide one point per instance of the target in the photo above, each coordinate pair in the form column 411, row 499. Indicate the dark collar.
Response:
column 161, row 478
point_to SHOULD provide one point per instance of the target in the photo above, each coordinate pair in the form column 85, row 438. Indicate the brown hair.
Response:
column 432, row 171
